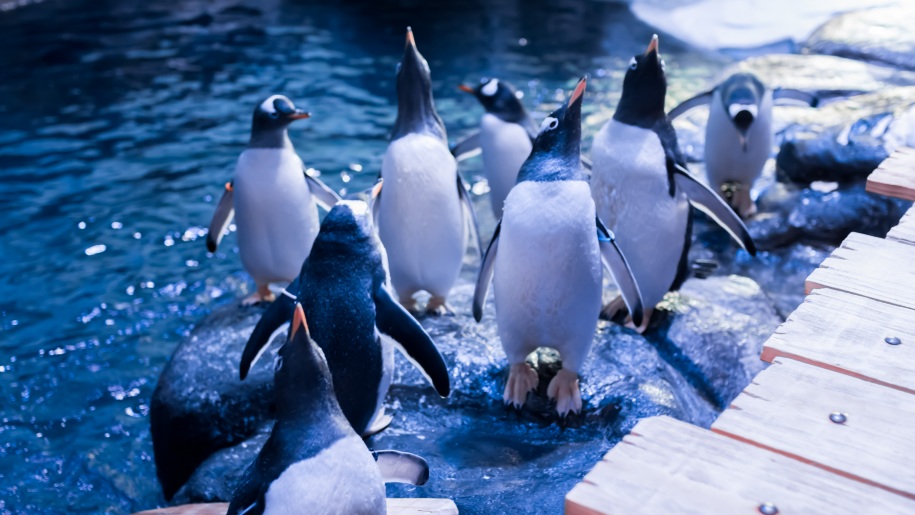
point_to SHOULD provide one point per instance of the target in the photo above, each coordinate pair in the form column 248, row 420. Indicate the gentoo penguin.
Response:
column 505, row 137
column 738, row 136
column 642, row 189
column 545, row 262
column 272, row 198
column 423, row 209
column 313, row 462
column 343, row 289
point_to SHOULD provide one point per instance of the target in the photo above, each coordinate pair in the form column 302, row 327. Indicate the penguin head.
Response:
column 644, row 89
column 498, row 98
column 415, row 107
column 271, row 117
column 302, row 374
column 348, row 221
column 556, row 153
column 742, row 96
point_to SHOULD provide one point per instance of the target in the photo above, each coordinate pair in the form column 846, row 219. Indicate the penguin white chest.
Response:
column 421, row 221
column 340, row 480
column 505, row 147
column 726, row 159
column 630, row 187
column 275, row 215
column 547, row 277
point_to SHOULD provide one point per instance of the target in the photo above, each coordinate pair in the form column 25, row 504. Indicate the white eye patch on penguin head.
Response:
column 743, row 115
column 490, row 88
column 549, row 123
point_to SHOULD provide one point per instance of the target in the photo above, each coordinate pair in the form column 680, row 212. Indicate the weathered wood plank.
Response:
column 846, row 333
column 667, row 466
column 786, row 409
column 895, row 177
column 397, row 506
column 879, row 269
column 905, row 231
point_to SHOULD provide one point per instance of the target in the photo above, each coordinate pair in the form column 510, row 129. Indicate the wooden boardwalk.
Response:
column 829, row 427
column 396, row 506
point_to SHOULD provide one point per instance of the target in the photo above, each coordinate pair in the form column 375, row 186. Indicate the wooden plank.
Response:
column 905, row 231
column 668, row 466
column 397, row 506
column 879, row 269
column 846, row 333
column 895, row 177
column 786, row 409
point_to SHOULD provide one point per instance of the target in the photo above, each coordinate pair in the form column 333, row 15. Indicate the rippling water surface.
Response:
column 119, row 123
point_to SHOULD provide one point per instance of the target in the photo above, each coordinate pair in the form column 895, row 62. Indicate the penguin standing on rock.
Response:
column 343, row 289
column 506, row 136
column 738, row 136
column 643, row 190
column 423, row 208
column 272, row 198
column 313, row 462
column 545, row 261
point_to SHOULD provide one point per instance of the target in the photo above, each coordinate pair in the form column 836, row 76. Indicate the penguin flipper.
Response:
column 586, row 163
column 797, row 95
column 485, row 276
column 401, row 467
column 248, row 498
column 467, row 147
column 616, row 264
column 323, row 194
column 278, row 313
column 701, row 99
column 225, row 211
column 393, row 320
column 470, row 213
column 707, row 201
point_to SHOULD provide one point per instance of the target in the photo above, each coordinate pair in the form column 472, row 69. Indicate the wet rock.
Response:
column 827, row 77
column 199, row 405
column 882, row 35
column 490, row 458
column 846, row 140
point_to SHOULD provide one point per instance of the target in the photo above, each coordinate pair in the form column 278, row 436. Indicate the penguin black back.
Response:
column 415, row 107
column 556, row 155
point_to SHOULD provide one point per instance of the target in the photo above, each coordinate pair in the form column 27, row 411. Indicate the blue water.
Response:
column 119, row 123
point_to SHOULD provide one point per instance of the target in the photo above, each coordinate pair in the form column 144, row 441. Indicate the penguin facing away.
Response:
column 313, row 462
column 505, row 137
column 343, row 290
column 738, row 135
column 545, row 262
column 423, row 210
column 271, row 197
column 643, row 191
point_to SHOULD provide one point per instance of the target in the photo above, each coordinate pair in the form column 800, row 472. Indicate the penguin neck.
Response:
column 277, row 138
column 636, row 117
column 552, row 168
column 305, row 399
column 418, row 115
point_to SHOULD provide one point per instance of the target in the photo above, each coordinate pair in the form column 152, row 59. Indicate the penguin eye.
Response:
column 549, row 123
column 274, row 114
column 633, row 64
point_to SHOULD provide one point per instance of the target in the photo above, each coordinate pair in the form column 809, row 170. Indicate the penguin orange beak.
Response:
column 466, row 89
column 410, row 41
column 579, row 90
column 653, row 46
column 299, row 115
column 298, row 322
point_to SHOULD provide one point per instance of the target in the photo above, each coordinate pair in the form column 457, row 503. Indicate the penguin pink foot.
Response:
column 521, row 379
column 263, row 294
column 438, row 307
column 646, row 317
column 564, row 390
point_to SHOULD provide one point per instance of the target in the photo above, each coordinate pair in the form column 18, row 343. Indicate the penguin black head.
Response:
column 556, row 154
column 644, row 89
column 348, row 222
column 302, row 376
column 742, row 94
column 271, row 117
column 499, row 99
column 415, row 107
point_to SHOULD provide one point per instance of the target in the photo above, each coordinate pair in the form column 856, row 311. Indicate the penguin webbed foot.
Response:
column 263, row 294
column 522, row 378
column 564, row 390
column 438, row 307
column 615, row 311
column 646, row 319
